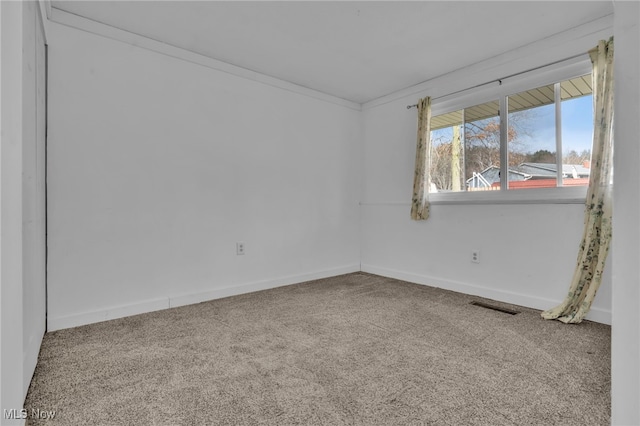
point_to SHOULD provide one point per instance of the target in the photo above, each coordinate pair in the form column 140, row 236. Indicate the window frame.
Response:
column 500, row 90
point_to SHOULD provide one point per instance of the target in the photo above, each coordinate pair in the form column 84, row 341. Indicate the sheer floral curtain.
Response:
column 421, row 180
column 597, row 232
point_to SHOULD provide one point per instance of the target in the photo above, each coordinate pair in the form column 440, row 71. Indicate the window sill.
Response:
column 571, row 195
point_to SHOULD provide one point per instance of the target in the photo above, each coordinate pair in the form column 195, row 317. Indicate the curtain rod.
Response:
column 499, row 80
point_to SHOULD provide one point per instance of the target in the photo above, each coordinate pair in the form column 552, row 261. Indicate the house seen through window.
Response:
column 548, row 141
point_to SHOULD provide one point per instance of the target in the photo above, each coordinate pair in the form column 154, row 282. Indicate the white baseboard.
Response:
column 529, row 301
column 172, row 301
column 191, row 298
column 112, row 312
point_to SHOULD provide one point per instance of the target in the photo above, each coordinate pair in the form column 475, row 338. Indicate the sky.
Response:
column 577, row 124
column 577, row 127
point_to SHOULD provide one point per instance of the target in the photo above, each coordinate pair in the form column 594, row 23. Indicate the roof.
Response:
column 573, row 88
column 549, row 170
column 546, row 183
column 538, row 175
column 491, row 175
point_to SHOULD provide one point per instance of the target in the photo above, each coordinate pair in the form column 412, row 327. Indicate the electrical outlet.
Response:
column 475, row 256
column 239, row 248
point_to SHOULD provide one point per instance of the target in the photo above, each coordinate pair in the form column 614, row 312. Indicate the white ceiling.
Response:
column 354, row 50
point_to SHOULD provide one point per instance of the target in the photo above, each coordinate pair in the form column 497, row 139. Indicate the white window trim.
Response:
column 563, row 195
column 498, row 90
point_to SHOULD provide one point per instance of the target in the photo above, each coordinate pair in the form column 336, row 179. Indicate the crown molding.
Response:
column 554, row 48
column 84, row 24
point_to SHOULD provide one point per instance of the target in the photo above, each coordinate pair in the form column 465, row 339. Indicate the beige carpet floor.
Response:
column 356, row 349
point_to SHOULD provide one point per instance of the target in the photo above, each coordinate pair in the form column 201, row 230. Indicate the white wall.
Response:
column 22, row 210
column 527, row 250
column 625, row 344
column 158, row 166
column 11, row 329
column 126, row 241
column 33, row 188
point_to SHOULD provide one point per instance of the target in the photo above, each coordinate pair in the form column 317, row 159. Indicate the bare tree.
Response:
column 482, row 144
column 451, row 165
column 456, row 150
column 572, row 157
column 441, row 163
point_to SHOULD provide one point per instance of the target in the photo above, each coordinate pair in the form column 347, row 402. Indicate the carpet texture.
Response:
column 357, row 349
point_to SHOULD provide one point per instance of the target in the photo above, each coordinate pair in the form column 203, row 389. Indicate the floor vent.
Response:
column 495, row 308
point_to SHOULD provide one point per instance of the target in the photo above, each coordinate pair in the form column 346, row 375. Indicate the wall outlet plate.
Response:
column 475, row 256
column 239, row 248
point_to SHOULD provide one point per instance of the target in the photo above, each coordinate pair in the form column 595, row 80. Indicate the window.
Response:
column 545, row 142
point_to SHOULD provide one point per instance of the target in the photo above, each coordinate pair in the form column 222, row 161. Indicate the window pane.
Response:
column 465, row 149
column 577, row 130
column 532, row 139
column 482, row 147
column 446, row 153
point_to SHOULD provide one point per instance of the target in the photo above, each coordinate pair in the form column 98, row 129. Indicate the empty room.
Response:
column 320, row 212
